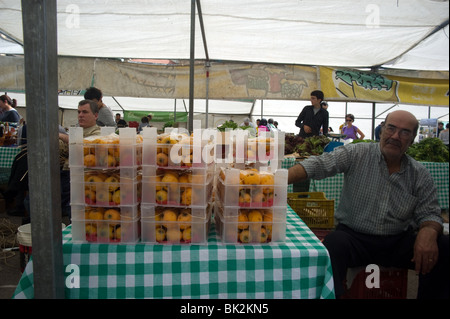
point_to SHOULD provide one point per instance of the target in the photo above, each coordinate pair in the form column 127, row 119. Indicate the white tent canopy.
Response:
column 397, row 35
column 407, row 34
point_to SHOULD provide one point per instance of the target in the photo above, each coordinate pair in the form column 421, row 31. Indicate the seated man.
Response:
column 388, row 214
column 87, row 119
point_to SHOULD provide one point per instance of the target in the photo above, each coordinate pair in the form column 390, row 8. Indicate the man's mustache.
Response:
column 393, row 142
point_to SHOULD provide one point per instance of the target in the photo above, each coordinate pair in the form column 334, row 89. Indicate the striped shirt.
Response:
column 372, row 201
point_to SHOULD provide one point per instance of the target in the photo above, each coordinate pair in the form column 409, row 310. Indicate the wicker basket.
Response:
column 313, row 208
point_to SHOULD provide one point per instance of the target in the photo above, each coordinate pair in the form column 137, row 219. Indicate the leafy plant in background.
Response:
column 228, row 124
column 312, row 145
column 430, row 149
column 167, row 124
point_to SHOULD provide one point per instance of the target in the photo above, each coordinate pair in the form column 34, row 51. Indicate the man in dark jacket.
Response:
column 313, row 117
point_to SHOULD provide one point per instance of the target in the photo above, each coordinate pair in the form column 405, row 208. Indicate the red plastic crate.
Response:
column 393, row 285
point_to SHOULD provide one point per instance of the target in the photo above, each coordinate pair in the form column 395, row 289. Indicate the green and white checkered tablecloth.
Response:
column 7, row 155
column 300, row 268
column 332, row 186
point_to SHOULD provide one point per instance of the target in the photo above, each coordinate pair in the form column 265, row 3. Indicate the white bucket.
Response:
column 24, row 234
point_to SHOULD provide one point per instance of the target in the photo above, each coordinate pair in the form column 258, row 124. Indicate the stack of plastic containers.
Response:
column 251, row 201
column 105, row 186
column 177, row 185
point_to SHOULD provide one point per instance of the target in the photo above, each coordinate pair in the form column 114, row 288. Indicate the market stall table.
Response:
column 7, row 155
column 300, row 268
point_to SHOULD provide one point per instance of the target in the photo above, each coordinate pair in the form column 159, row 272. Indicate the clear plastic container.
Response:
column 252, row 188
column 105, row 187
column 172, row 225
column 113, row 231
column 235, row 146
column 230, row 212
column 81, row 212
column 176, row 149
column 251, row 227
column 151, row 210
column 105, row 151
column 178, row 187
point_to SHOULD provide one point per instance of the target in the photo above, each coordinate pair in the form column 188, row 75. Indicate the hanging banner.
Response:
column 354, row 85
column 156, row 116
column 226, row 80
column 236, row 80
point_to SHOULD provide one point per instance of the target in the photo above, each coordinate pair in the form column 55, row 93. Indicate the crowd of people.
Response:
column 262, row 125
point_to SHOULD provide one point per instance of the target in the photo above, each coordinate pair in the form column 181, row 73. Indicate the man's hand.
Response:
column 307, row 129
column 426, row 250
column 64, row 137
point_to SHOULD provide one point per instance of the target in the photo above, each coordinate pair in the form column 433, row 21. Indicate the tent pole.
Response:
column 251, row 109
column 191, row 69
column 262, row 108
column 175, row 111
column 373, row 120
column 207, row 95
column 41, row 82
column 118, row 103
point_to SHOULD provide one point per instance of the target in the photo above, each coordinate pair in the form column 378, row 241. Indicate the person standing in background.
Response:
column 378, row 131
column 350, row 130
column 440, row 128
column 251, row 127
column 313, row 117
column 443, row 135
column 105, row 115
column 144, row 123
column 263, row 126
column 9, row 113
column 271, row 125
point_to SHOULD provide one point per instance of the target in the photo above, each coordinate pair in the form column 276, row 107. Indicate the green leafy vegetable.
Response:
column 228, row 124
column 312, row 145
column 430, row 149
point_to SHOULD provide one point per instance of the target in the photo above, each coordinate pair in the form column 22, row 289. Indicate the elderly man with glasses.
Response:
column 388, row 213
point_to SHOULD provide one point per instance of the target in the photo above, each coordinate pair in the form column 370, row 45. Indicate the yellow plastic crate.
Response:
column 313, row 208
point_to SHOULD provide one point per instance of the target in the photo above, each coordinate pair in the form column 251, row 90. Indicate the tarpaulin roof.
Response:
column 407, row 34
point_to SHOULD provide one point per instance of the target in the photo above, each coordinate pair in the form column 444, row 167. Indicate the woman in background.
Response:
column 350, row 130
column 9, row 113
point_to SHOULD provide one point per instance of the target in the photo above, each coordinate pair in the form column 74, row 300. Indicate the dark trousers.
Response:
column 349, row 249
column 65, row 193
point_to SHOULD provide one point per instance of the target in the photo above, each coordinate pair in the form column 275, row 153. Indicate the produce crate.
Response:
column 236, row 146
column 177, row 149
column 172, row 225
column 233, row 212
column 105, row 187
column 313, row 208
column 393, row 285
column 84, row 212
column 268, row 228
column 252, row 188
column 152, row 210
column 111, row 231
column 183, row 187
column 105, row 151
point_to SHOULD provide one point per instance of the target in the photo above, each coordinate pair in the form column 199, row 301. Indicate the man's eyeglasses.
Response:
column 349, row 120
column 403, row 133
